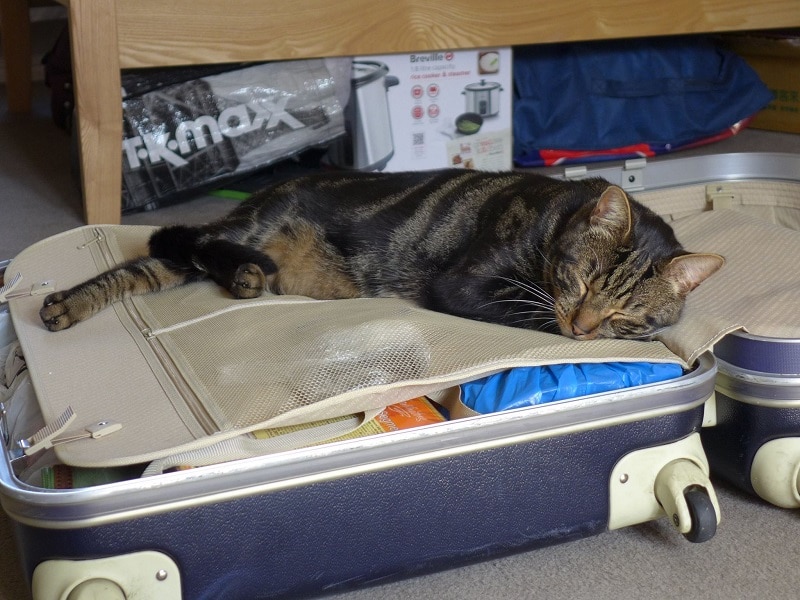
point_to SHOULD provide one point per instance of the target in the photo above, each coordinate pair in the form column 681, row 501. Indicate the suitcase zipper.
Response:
column 193, row 403
column 198, row 410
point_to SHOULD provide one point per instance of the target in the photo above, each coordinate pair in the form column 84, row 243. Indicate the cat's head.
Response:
column 618, row 271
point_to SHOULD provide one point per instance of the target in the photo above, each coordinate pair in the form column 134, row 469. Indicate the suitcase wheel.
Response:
column 775, row 472
column 702, row 515
column 684, row 492
column 672, row 480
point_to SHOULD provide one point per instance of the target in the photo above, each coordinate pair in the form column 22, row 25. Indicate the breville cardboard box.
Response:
column 776, row 59
column 411, row 112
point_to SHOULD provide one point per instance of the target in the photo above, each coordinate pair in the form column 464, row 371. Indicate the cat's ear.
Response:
column 613, row 212
column 688, row 271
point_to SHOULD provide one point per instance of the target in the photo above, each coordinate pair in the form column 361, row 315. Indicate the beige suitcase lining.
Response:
column 754, row 225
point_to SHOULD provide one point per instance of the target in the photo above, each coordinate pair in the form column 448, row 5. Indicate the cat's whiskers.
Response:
column 650, row 334
column 546, row 305
column 543, row 314
column 546, row 260
column 531, row 288
column 541, row 304
column 535, row 310
column 540, row 327
column 551, row 324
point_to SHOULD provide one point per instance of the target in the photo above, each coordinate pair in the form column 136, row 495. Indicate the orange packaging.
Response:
column 406, row 415
column 403, row 415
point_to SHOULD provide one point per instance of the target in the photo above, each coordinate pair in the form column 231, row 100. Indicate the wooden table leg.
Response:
column 95, row 64
column 16, row 39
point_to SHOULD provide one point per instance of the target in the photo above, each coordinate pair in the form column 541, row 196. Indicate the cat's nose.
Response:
column 584, row 331
column 585, row 324
column 577, row 331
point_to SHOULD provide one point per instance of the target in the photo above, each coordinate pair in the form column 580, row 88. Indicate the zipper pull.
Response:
column 95, row 432
column 38, row 289
column 54, row 434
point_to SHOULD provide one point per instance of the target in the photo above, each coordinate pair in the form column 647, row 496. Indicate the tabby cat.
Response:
column 576, row 257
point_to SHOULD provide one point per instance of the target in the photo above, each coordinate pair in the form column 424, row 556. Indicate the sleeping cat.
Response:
column 576, row 257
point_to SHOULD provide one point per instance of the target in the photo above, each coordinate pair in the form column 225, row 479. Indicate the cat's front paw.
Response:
column 61, row 310
column 248, row 282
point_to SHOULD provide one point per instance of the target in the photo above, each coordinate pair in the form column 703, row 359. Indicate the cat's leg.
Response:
column 139, row 276
column 308, row 264
column 240, row 269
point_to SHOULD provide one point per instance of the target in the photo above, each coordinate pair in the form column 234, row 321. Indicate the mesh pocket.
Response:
column 254, row 364
column 250, row 365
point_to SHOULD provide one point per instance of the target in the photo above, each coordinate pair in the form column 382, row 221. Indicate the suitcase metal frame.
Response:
column 640, row 174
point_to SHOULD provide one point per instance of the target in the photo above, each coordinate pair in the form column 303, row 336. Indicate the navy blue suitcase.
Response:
column 413, row 501
column 343, row 514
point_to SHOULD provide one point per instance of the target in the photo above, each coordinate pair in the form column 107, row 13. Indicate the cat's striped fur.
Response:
column 580, row 258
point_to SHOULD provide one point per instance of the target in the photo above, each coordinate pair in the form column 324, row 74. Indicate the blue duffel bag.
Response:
column 596, row 100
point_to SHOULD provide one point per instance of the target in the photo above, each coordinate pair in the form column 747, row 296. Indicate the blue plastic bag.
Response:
column 528, row 386
column 642, row 96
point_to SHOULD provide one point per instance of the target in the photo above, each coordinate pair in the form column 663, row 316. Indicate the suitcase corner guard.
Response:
column 145, row 574
column 775, row 472
column 671, row 480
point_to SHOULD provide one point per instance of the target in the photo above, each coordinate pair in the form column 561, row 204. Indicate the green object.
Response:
column 469, row 123
column 61, row 477
column 469, row 126
column 231, row 194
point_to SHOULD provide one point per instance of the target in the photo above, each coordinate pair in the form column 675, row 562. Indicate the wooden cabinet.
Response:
column 111, row 34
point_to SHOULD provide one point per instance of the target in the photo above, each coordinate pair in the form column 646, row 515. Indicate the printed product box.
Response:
column 776, row 59
column 412, row 112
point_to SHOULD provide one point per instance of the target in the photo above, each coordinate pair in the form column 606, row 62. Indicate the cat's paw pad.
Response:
column 248, row 282
column 59, row 312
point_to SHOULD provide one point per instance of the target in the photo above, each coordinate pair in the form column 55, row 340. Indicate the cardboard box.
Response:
column 776, row 59
column 427, row 95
